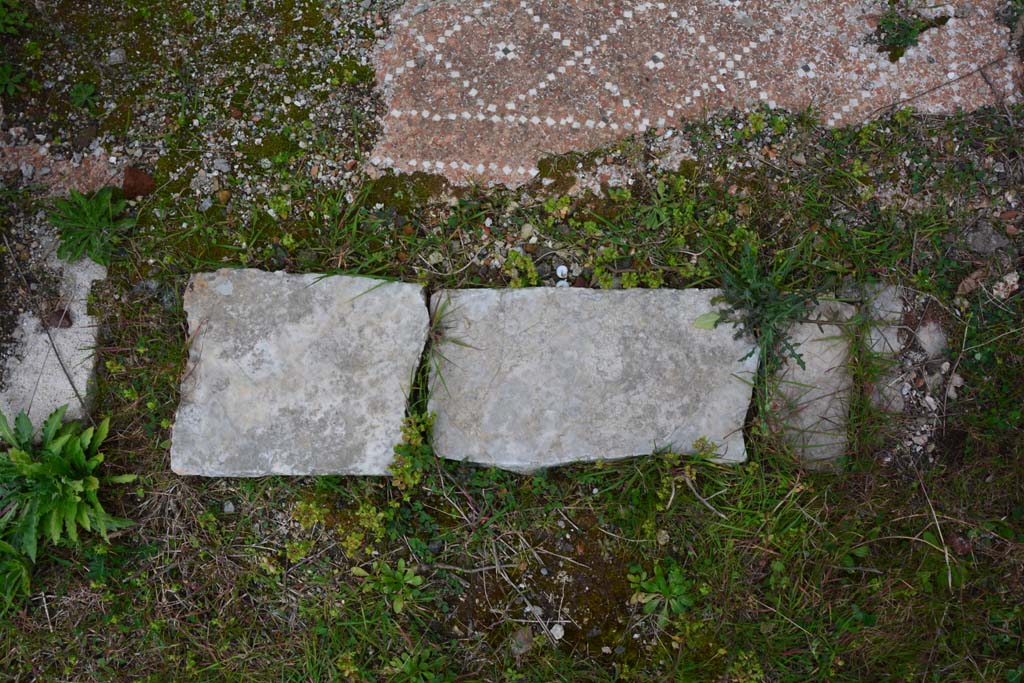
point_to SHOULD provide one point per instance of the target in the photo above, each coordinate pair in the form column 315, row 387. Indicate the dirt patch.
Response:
column 568, row 587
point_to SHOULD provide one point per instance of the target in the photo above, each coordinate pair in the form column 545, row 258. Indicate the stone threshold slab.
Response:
column 296, row 374
column 530, row 378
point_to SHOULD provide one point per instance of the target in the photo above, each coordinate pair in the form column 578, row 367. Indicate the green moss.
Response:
column 559, row 171
column 405, row 192
column 350, row 72
column 174, row 161
column 243, row 48
column 276, row 147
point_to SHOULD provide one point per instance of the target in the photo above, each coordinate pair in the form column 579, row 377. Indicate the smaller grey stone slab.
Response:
column 884, row 310
column 46, row 371
column 932, row 339
column 984, row 239
column 295, row 374
column 529, row 378
column 811, row 404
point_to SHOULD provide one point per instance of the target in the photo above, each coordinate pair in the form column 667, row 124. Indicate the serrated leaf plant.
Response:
column 49, row 490
column 90, row 225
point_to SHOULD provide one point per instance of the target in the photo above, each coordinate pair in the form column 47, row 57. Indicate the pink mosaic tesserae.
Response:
column 481, row 91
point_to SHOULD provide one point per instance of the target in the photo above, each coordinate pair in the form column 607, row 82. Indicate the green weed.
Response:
column 13, row 18
column 762, row 300
column 414, row 455
column 49, row 491
column 83, row 96
column 399, row 585
column 422, row 666
column 665, row 592
column 901, row 27
column 90, row 225
column 10, row 79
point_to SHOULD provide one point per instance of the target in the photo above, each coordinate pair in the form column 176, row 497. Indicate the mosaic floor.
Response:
column 480, row 91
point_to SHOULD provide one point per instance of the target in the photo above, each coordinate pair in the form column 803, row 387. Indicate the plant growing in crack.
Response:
column 414, row 454
column 757, row 300
column 901, row 26
column 438, row 334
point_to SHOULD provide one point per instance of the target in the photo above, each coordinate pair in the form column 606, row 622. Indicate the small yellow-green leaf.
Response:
column 83, row 516
column 70, row 520
column 53, row 525
column 57, row 444
column 101, row 434
column 86, row 438
column 707, row 321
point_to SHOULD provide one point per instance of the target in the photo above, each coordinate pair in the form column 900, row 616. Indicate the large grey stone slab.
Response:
column 295, row 374
column 54, row 358
column 529, row 378
column 811, row 404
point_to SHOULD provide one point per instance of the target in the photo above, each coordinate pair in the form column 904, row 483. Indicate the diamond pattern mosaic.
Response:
column 481, row 91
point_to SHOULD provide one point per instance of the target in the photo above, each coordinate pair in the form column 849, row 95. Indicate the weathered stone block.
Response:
column 811, row 404
column 530, row 378
column 294, row 374
column 884, row 309
column 46, row 371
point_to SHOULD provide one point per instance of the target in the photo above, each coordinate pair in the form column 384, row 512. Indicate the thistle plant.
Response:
column 49, row 492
